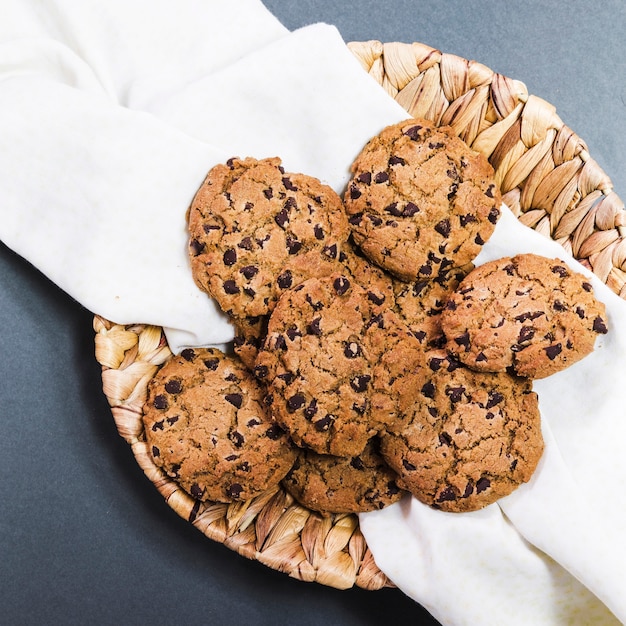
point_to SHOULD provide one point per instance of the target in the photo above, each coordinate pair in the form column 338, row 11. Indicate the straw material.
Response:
column 547, row 178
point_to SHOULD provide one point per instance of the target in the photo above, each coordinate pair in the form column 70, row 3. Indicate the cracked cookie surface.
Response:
column 208, row 429
column 476, row 438
column 420, row 200
column 331, row 484
column 529, row 314
column 340, row 366
column 256, row 230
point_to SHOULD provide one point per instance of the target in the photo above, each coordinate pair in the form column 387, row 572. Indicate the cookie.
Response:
column 331, row 484
column 420, row 303
column 420, row 201
column 476, row 437
column 339, row 366
column 208, row 429
column 528, row 314
column 256, row 231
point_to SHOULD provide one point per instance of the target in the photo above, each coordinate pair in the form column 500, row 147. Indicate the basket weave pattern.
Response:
column 547, row 178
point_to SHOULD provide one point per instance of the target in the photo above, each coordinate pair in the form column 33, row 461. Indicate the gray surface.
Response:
column 84, row 538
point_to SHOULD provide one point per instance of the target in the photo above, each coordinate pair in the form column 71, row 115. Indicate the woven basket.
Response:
column 547, row 178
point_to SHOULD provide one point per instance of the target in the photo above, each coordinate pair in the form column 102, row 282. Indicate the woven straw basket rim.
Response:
column 547, row 178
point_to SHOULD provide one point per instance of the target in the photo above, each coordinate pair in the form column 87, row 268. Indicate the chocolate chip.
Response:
column 236, row 399
column 355, row 193
column 234, row 491
column 413, row 132
column 410, row 209
column 293, row 332
column 196, row 247
column 409, row 467
column 261, row 371
column 295, row 402
column 230, row 257
column 341, row 285
column 293, row 245
column 428, row 390
column 396, row 160
column 480, row 357
column 600, row 326
column 324, row 423
column 331, row 251
column 360, row 383
column 268, row 193
column 443, row 227
column 553, row 351
column 463, row 340
column 393, row 209
column 494, row 215
column 237, row 438
column 160, row 402
column 365, row 177
column 188, row 354
column 311, row 410
column 289, row 185
column 314, row 327
column 285, row 280
column 211, row 364
column 447, row 495
column 560, row 270
column 196, row 491
column 478, row 240
column 319, row 232
column 381, row 177
column 587, row 286
column 445, row 439
column 494, row 398
column 455, row 394
column 282, row 218
column 526, row 333
column 482, row 484
column 173, row 386
column 249, row 271
column 466, row 219
column 375, row 298
column 352, row 350
column 230, row 287
column 246, row 243
column 155, row 452
column 490, row 191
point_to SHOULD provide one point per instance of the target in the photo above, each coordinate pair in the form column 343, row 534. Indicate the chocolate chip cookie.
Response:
column 340, row 366
column 476, row 437
column 529, row 314
column 207, row 427
column 331, row 484
column 256, row 231
column 420, row 201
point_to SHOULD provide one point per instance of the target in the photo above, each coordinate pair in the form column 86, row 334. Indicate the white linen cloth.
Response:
column 112, row 112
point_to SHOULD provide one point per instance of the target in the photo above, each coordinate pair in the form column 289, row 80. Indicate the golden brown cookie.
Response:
column 530, row 314
column 256, row 231
column 340, row 367
column 476, row 437
column 331, row 484
column 420, row 201
column 207, row 427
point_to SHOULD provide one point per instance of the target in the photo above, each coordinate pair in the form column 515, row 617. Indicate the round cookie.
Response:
column 255, row 231
column 207, row 428
column 331, row 484
column 340, row 367
column 528, row 314
column 421, row 201
column 476, row 437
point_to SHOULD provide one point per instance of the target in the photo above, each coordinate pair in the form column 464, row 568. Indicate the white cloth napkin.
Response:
column 109, row 120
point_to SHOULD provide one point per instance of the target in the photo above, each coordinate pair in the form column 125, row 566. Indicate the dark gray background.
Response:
column 84, row 537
